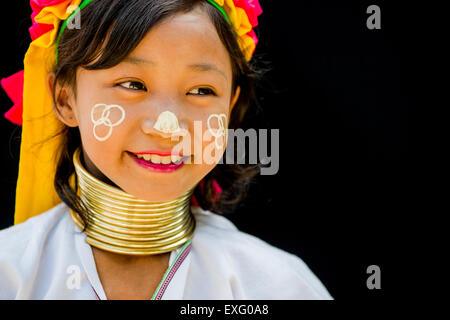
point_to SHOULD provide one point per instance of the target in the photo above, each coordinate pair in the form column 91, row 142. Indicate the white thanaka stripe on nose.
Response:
column 167, row 122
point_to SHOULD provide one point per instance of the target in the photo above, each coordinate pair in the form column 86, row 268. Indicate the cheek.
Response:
column 104, row 118
column 100, row 130
column 209, row 140
column 215, row 134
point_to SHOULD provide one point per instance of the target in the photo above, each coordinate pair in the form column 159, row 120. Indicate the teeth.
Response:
column 165, row 160
column 159, row 159
column 156, row 159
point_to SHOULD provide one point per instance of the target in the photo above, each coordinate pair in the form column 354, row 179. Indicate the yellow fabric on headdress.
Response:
column 53, row 15
column 35, row 193
column 241, row 25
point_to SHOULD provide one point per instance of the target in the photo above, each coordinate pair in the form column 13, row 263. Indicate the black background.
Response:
column 340, row 95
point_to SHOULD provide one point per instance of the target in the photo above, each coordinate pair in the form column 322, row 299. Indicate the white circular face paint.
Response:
column 221, row 131
column 105, row 120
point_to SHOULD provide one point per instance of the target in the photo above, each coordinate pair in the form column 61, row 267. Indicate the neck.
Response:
column 118, row 222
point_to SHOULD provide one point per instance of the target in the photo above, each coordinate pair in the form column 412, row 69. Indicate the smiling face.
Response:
column 182, row 68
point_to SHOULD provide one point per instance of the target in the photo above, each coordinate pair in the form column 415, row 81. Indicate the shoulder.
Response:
column 271, row 272
column 19, row 236
column 22, row 246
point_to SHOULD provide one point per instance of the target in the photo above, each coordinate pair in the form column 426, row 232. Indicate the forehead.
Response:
column 184, row 39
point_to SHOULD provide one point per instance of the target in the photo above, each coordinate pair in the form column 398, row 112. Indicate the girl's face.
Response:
column 180, row 66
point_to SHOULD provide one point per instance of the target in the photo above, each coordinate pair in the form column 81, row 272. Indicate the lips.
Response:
column 159, row 161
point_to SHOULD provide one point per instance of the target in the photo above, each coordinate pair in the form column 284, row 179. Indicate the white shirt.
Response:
column 47, row 257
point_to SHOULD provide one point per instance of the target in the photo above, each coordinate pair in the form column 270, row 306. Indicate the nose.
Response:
column 165, row 126
column 167, row 122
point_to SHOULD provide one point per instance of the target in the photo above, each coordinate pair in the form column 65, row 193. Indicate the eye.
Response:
column 133, row 85
column 203, row 92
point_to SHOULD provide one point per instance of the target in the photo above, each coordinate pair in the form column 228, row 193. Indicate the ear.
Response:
column 235, row 98
column 64, row 102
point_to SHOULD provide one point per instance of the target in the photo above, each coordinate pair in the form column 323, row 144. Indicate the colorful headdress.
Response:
column 33, row 106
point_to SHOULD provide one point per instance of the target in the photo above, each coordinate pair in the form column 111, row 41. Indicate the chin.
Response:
column 158, row 194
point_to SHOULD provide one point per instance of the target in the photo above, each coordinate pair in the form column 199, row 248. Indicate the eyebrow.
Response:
column 202, row 67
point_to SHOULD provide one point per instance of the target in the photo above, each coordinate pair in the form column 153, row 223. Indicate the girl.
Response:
column 125, row 110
